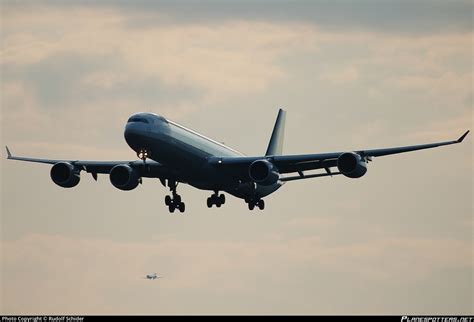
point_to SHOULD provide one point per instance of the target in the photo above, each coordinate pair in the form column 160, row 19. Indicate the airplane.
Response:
column 175, row 154
column 152, row 276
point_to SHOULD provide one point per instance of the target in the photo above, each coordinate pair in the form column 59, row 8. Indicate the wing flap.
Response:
column 306, row 165
column 309, row 176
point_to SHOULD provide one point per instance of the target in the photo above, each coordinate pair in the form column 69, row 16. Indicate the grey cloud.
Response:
column 58, row 82
column 405, row 16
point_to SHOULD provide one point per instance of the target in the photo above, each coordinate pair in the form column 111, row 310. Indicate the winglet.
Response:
column 462, row 137
column 8, row 152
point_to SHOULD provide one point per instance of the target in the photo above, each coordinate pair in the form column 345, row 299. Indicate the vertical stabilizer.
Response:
column 275, row 147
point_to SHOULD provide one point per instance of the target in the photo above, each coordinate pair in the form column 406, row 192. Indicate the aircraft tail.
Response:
column 275, row 146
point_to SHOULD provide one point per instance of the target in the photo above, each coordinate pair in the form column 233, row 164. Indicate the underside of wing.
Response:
column 351, row 164
column 124, row 175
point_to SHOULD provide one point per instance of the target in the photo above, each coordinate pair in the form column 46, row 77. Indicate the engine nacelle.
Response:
column 351, row 165
column 65, row 174
column 263, row 172
column 123, row 177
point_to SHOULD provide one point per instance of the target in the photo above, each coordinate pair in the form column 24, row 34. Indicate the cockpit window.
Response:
column 138, row 119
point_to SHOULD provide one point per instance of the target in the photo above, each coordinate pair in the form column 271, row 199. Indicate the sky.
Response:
column 351, row 75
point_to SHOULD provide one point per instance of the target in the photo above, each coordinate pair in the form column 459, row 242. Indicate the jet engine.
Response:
column 263, row 172
column 351, row 165
column 123, row 177
column 65, row 174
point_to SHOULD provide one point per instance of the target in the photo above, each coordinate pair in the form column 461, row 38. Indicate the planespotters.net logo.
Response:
column 437, row 318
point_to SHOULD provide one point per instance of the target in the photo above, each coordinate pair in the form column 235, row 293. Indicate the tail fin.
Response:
column 275, row 147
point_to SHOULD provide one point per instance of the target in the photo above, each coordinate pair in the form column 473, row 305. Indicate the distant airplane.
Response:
column 173, row 154
column 152, row 276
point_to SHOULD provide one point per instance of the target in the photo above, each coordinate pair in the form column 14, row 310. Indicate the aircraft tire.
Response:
column 182, row 207
column 222, row 199
column 261, row 204
column 171, row 208
column 167, row 200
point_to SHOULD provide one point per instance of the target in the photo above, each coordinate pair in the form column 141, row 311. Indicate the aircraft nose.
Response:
column 133, row 134
column 131, row 129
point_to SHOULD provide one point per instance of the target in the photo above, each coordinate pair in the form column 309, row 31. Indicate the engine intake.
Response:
column 65, row 175
column 351, row 165
column 123, row 177
column 263, row 172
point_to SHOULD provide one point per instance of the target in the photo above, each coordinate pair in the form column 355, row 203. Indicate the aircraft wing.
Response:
column 149, row 169
column 304, row 162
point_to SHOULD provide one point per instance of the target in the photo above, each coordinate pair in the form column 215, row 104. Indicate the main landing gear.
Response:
column 216, row 199
column 174, row 201
column 252, row 203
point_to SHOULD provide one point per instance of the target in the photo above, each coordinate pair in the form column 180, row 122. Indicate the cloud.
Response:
column 347, row 75
column 46, row 264
column 449, row 129
column 210, row 57
column 420, row 17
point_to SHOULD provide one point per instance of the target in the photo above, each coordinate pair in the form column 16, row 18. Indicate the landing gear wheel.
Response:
column 222, row 199
column 216, row 199
column 251, row 206
column 174, row 201
column 261, row 204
